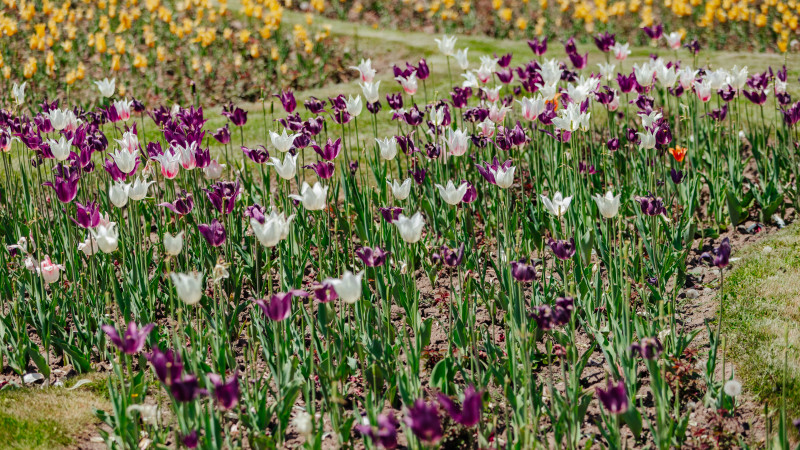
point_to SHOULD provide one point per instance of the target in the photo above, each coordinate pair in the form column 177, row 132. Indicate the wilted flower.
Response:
column 614, row 397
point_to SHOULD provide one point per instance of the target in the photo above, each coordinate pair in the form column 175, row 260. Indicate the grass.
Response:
column 762, row 309
column 48, row 418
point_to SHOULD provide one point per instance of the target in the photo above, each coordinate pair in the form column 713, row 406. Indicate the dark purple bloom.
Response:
column 315, row 105
column 469, row 413
column 132, row 341
column 325, row 293
column 223, row 135
column 423, row 419
column 323, row 169
column 236, row 115
column 471, row 195
column 87, row 216
column 758, row 97
column 652, row 205
column 578, row 61
column 693, row 46
column 721, row 255
column 418, row 175
column 258, row 155
column 522, row 271
column 226, row 391
column 186, row 388
column 423, row 72
column 214, row 233
column 395, row 100
column 374, row 107
column 605, row 41
column 486, row 170
column 538, row 47
column 613, row 144
column 65, row 183
column 391, row 213
column 614, row 397
column 563, row 249
column 331, row 149
column 372, row 257
column 505, row 76
column 182, row 205
column 648, row 348
column 256, row 212
column 654, row 32
column 676, row 175
column 626, row 83
column 223, row 195
column 385, row 435
column 280, row 304
column 167, row 365
column 191, row 440
column 287, row 100
column 452, row 257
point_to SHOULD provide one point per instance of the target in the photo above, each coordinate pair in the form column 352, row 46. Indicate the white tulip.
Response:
column 189, row 286
column 674, row 40
column 106, row 236
column 286, row 169
column 123, row 108
column 139, row 189
column 451, row 194
column 558, row 206
column 647, row 140
column 503, row 177
column 371, row 91
column 173, row 244
column 365, row 70
column 282, row 142
column 214, row 170
column 608, row 204
column 461, row 58
column 401, row 190
column 89, row 246
column 125, row 160
column 388, row 147
column 457, row 142
column 60, row 148
column 106, row 87
column 410, row 228
column 63, row 119
column 348, row 287
column 312, row 198
column 18, row 92
column 446, row 44
column 276, row 228
column 118, row 194
column 354, row 105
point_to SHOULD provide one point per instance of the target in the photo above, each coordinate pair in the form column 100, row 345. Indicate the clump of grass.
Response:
column 763, row 302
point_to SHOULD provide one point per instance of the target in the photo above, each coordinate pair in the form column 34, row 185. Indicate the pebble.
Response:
column 30, row 378
column 692, row 294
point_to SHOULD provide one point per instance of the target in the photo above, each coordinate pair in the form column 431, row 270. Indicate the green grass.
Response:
column 17, row 433
column 763, row 306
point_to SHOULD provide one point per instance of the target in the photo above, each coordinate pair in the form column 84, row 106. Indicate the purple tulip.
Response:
column 613, row 144
column 469, row 413
column 214, row 233
column 648, row 348
column 330, row 150
column 418, row 175
column 452, row 257
column 391, row 213
column 223, row 195
column 386, row 434
column 395, row 100
column 132, row 341
column 323, row 169
column 538, row 48
column 505, row 76
column 222, row 135
column 522, row 271
column 605, row 41
column 563, row 249
column 626, row 83
column 654, row 32
column 186, row 388
column 287, row 101
column 486, row 170
column 423, row 72
column 423, row 419
column 374, row 107
column 225, row 391
column 236, row 115
column 325, row 293
column 614, row 397
column 757, row 97
column 651, row 205
column 676, row 175
column 167, row 365
column 280, row 304
column 693, row 46
column 471, row 195
column 258, row 155
column 65, row 183
column 191, row 440
column 87, row 216
column 256, row 212
column 721, row 255
column 314, row 105
column 372, row 258
column 182, row 205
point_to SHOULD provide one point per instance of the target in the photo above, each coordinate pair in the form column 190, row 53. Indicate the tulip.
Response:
column 608, row 204
column 286, row 169
column 409, row 83
column 372, row 258
column 282, row 142
column 410, row 229
column 523, row 272
column 348, row 287
column 125, row 160
column 274, row 228
column 385, row 435
column 721, row 255
column 225, row 391
column 189, row 286
column 287, row 101
column 280, row 305
column 139, row 189
column 446, row 44
column 621, row 51
column 173, row 244
column 106, row 87
column 236, row 115
column 469, row 412
column 354, row 105
column 213, row 170
column 365, row 70
column 107, row 237
column 614, row 397
column 652, row 205
column 458, row 142
column 132, row 342
column 186, row 389
column 63, row 120
column 451, row 194
column 60, row 149
column 388, row 147
column 674, row 40
column 182, row 205
column 325, row 293
column 49, row 270
column 648, row 348
column 118, row 193
column 18, row 92
column 167, row 365
column 562, row 249
column 214, row 233
column 558, row 206
column 370, row 91
column 223, row 195
column 123, row 109
column 461, row 58
column 87, row 216
column 423, row 420
column 89, row 246
column 170, row 163
column 312, row 198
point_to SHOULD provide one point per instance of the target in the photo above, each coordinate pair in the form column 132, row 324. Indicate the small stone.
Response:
column 692, row 294
column 30, row 378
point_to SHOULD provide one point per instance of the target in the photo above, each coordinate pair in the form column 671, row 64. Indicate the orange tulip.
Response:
column 678, row 153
